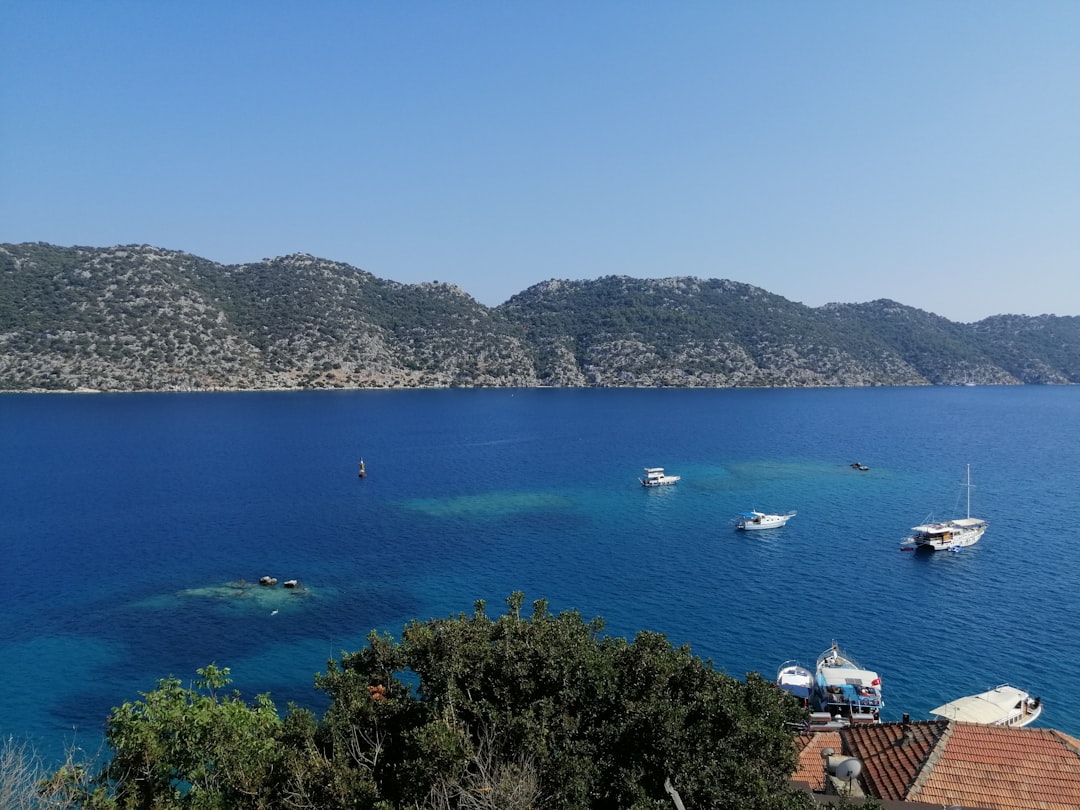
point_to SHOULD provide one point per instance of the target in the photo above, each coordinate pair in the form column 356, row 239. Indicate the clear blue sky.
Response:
column 924, row 151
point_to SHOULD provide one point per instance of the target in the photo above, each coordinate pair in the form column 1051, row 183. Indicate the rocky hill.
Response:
column 142, row 318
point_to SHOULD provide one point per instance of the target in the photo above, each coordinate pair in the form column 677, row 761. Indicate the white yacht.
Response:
column 750, row 521
column 1001, row 706
column 655, row 477
column 948, row 535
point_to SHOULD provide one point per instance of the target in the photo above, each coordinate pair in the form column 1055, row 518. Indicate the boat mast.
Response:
column 968, row 487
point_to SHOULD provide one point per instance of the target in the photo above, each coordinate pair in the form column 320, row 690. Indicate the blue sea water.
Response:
column 124, row 519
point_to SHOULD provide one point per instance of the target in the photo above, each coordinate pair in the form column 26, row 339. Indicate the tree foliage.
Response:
column 191, row 748
column 515, row 712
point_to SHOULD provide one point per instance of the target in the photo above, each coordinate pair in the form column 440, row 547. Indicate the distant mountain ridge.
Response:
column 141, row 318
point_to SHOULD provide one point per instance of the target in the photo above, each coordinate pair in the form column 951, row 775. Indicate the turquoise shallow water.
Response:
column 127, row 521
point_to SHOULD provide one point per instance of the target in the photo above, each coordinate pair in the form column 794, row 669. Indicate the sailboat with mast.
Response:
column 951, row 535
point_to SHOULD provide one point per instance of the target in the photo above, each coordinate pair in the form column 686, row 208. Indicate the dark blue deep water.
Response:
column 123, row 519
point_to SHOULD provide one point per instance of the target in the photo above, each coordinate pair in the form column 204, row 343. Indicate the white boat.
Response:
column 951, row 535
column 750, row 521
column 796, row 680
column 844, row 690
column 1001, row 706
column 655, row 477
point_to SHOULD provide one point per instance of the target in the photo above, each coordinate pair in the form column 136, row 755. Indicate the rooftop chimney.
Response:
column 908, row 735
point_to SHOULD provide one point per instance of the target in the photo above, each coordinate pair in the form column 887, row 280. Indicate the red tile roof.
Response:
column 894, row 754
column 946, row 762
column 810, row 769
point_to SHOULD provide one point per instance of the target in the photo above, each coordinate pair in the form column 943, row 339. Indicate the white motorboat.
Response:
column 845, row 690
column 950, row 535
column 796, row 680
column 1003, row 705
column 750, row 521
column 655, row 477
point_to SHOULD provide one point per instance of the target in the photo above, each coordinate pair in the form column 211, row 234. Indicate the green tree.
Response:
column 190, row 748
column 602, row 722
column 467, row 713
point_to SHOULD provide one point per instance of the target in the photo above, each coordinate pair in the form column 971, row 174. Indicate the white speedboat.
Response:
column 1001, row 706
column 845, row 690
column 750, row 521
column 655, row 477
column 796, row 680
column 948, row 535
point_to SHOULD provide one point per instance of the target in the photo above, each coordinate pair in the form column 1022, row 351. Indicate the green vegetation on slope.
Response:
column 142, row 318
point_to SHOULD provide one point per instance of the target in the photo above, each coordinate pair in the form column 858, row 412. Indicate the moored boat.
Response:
column 1003, row 705
column 950, row 535
column 796, row 680
column 845, row 690
column 754, row 520
column 655, row 477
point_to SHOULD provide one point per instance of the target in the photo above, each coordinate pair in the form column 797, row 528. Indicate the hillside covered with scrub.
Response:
column 140, row 318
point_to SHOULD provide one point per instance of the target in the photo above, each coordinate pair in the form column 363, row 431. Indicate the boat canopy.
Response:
column 949, row 525
column 987, row 707
column 840, row 676
column 968, row 523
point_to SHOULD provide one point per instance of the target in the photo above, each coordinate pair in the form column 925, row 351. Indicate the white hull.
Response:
column 666, row 481
column 796, row 680
column 1002, row 706
column 755, row 521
